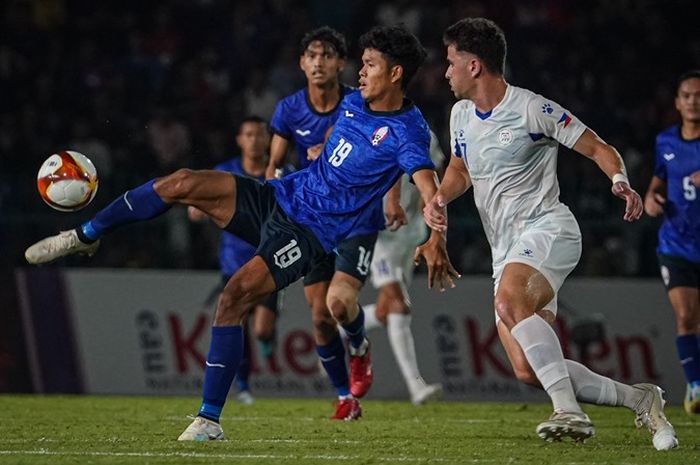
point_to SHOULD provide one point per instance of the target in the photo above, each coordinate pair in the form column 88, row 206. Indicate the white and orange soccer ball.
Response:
column 67, row 181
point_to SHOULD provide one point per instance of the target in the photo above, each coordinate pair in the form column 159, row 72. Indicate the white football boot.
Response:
column 202, row 429
column 245, row 398
column 574, row 425
column 423, row 393
column 54, row 247
column 650, row 413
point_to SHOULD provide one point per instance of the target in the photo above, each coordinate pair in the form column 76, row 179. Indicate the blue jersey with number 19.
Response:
column 340, row 194
column 676, row 160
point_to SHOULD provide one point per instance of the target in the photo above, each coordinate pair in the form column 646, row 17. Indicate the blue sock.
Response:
column 689, row 355
column 333, row 360
column 225, row 351
column 141, row 203
column 243, row 372
column 356, row 329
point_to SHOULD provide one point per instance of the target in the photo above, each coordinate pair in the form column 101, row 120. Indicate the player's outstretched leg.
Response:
column 213, row 192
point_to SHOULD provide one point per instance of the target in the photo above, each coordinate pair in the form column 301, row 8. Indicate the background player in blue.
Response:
column 297, row 219
column 253, row 140
column 304, row 117
column 673, row 192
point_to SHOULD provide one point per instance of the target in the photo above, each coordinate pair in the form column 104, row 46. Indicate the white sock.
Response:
column 592, row 388
column 543, row 351
column 404, row 348
column 371, row 321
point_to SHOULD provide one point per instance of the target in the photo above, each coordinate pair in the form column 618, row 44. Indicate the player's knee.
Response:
column 264, row 333
column 237, row 298
column 504, row 305
column 339, row 307
column 686, row 321
column 176, row 185
column 321, row 318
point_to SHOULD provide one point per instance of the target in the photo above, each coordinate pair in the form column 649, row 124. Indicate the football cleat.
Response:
column 347, row 409
column 202, row 429
column 691, row 402
column 360, row 370
column 54, row 247
column 245, row 398
column 574, row 425
column 650, row 413
column 426, row 392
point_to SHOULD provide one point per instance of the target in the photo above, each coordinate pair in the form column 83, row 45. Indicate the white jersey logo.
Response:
column 669, row 156
column 348, row 114
column 303, row 132
column 505, row 137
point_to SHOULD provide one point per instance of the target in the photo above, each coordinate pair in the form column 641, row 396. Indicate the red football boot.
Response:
column 360, row 371
column 347, row 409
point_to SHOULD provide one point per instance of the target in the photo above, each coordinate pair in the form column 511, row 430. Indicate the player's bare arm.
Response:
column 314, row 151
column 394, row 213
column 655, row 198
column 610, row 162
column 434, row 250
column 455, row 183
column 278, row 152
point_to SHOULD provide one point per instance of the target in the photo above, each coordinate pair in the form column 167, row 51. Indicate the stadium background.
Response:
column 143, row 87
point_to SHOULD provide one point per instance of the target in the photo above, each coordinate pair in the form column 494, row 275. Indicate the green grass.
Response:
column 115, row 430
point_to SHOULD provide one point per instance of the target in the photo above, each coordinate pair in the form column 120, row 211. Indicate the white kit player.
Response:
column 392, row 272
column 505, row 142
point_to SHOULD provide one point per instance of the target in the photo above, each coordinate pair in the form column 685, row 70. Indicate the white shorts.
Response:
column 552, row 248
column 393, row 257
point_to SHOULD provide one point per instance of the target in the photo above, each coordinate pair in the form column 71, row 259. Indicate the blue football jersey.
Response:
column 295, row 119
column 676, row 160
column 340, row 194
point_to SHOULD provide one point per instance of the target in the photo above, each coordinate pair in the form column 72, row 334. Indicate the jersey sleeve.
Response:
column 660, row 162
column 548, row 118
column 279, row 124
column 414, row 155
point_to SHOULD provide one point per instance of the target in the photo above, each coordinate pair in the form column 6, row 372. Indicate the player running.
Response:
column 299, row 218
column 505, row 141
column 673, row 192
column 392, row 272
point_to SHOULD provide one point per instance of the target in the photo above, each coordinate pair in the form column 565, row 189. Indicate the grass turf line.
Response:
column 61, row 430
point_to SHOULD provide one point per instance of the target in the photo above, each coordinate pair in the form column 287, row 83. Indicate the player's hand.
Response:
column 695, row 178
column 314, row 152
column 195, row 214
column 654, row 204
column 435, row 215
column 395, row 216
column 272, row 172
column 440, row 269
column 633, row 202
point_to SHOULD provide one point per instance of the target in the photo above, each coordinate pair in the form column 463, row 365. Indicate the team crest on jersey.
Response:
column 505, row 137
column 379, row 135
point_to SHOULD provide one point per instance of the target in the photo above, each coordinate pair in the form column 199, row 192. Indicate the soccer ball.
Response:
column 67, row 181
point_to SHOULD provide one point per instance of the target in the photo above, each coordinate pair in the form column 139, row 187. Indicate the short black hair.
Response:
column 327, row 36
column 398, row 46
column 483, row 38
column 692, row 74
column 252, row 119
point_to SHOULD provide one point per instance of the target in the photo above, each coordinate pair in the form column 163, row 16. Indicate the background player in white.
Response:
column 673, row 192
column 505, row 141
column 392, row 272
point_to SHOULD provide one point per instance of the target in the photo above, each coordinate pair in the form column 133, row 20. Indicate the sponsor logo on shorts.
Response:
column 527, row 253
column 288, row 255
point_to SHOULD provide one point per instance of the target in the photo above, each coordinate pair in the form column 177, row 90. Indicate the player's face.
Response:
column 321, row 63
column 688, row 100
column 376, row 76
column 253, row 139
column 460, row 71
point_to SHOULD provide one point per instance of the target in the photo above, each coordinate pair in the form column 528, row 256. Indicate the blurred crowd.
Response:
column 145, row 87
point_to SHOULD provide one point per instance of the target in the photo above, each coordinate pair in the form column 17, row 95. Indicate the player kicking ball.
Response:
column 505, row 142
column 299, row 218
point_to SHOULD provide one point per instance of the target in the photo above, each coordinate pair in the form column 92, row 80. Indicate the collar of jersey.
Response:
column 406, row 106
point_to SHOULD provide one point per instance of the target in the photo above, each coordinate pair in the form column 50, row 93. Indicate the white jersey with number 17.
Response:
column 511, row 155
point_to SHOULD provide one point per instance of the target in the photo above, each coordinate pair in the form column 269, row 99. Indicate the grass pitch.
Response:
column 116, row 430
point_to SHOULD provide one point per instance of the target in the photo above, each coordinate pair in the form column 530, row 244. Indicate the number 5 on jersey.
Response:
column 340, row 153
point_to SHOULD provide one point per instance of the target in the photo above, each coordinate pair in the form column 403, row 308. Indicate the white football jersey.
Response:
column 511, row 155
